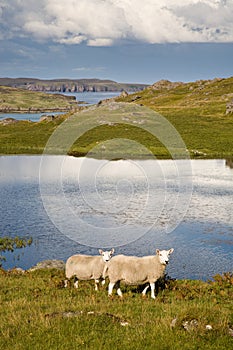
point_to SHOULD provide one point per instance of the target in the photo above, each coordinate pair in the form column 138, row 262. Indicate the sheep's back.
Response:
column 84, row 266
column 134, row 270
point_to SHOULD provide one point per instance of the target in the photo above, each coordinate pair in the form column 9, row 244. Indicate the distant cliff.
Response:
column 70, row 85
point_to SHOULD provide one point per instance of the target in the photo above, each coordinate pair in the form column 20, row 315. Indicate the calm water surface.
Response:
column 135, row 207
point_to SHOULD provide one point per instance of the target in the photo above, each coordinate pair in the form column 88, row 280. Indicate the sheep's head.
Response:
column 164, row 255
column 106, row 255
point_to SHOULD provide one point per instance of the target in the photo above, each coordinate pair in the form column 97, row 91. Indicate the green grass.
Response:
column 19, row 100
column 196, row 110
column 38, row 313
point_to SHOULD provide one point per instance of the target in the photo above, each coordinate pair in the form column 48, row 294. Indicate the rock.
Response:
column 135, row 98
column 47, row 118
column 165, row 84
column 173, row 322
column 124, row 94
column 17, row 270
column 208, row 327
column 8, row 121
column 190, row 325
column 69, row 314
column 49, row 264
column 229, row 107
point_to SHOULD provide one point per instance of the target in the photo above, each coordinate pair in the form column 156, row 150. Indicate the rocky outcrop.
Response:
column 124, row 94
column 49, row 264
column 47, row 118
column 8, row 121
column 229, row 107
column 165, row 84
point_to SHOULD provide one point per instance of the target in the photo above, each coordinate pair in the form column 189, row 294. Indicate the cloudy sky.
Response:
column 123, row 40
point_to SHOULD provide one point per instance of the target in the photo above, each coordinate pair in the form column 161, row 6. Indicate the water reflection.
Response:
column 120, row 196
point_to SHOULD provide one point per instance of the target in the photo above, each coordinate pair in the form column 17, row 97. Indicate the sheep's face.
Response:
column 107, row 254
column 164, row 255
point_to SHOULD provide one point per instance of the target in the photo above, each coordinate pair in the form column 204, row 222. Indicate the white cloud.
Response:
column 105, row 22
column 100, row 42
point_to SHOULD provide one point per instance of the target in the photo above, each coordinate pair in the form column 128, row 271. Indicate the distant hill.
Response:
column 202, row 96
column 70, row 85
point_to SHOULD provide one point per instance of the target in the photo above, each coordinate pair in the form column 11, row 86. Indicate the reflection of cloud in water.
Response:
column 19, row 168
column 125, row 197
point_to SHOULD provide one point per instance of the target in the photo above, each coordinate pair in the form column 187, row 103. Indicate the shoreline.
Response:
column 115, row 159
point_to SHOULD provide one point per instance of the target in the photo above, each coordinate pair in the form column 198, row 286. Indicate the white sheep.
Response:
column 134, row 270
column 87, row 267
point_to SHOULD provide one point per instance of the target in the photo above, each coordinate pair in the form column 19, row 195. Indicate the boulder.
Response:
column 8, row 121
column 165, row 84
column 124, row 93
column 47, row 118
column 49, row 264
column 229, row 107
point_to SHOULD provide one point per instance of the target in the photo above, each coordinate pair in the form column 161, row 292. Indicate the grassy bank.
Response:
column 206, row 137
column 38, row 313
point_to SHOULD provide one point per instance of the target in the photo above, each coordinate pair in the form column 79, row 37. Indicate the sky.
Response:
column 122, row 40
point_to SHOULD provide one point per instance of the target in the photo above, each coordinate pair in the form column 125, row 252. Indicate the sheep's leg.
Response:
column 103, row 282
column 76, row 283
column 96, row 284
column 145, row 290
column 110, row 288
column 119, row 292
column 65, row 283
column 152, row 286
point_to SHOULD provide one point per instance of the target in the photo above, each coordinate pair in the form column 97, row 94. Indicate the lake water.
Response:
column 77, row 205
column 33, row 117
column 91, row 97
column 88, row 97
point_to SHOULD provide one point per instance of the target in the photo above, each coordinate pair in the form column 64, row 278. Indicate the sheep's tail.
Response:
column 105, row 272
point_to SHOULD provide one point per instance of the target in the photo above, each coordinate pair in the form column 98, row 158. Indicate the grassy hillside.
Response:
column 203, row 95
column 38, row 313
column 197, row 111
column 19, row 100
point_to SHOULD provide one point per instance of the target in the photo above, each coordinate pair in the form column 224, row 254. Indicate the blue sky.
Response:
column 122, row 40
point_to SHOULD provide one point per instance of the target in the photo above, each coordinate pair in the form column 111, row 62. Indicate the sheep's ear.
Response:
column 171, row 250
column 112, row 251
column 157, row 251
column 101, row 251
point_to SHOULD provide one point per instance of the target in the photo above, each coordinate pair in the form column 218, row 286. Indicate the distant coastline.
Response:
column 71, row 85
